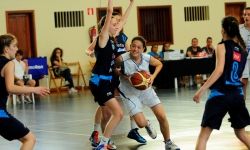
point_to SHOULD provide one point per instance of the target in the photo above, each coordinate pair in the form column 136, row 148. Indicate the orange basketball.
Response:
column 140, row 80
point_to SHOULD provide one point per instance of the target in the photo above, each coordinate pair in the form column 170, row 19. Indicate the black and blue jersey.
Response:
column 3, row 94
column 235, row 60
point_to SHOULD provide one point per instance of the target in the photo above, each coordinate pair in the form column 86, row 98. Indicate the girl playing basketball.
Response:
column 226, row 88
column 134, row 99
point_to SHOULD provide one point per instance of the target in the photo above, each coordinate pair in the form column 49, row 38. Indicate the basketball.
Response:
column 140, row 80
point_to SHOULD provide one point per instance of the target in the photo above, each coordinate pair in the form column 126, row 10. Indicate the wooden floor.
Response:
column 65, row 123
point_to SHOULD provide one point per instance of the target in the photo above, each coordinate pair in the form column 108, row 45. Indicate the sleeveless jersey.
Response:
column 235, row 60
column 3, row 94
column 131, row 67
column 104, row 58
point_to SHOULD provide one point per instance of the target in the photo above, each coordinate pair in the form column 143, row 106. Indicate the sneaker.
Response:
column 27, row 99
column 171, row 146
column 151, row 131
column 94, row 139
column 133, row 134
column 101, row 147
column 72, row 90
column 111, row 145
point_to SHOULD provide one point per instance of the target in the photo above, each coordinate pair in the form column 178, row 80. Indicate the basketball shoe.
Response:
column 169, row 145
column 150, row 130
column 134, row 134
column 94, row 138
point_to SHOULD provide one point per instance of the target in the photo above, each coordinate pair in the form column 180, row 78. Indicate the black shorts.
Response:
column 10, row 127
column 217, row 107
column 102, row 92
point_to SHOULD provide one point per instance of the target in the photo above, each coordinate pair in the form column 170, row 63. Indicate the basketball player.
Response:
column 100, row 81
column 120, row 48
column 10, row 127
column 134, row 99
column 226, row 88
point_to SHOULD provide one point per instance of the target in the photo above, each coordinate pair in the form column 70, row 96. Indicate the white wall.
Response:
column 75, row 40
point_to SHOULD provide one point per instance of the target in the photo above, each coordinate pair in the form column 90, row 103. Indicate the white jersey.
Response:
column 19, row 69
column 131, row 67
column 134, row 99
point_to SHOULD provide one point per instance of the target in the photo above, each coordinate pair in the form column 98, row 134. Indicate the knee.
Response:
column 32, row 83
column 141, row 123
column 30, row 138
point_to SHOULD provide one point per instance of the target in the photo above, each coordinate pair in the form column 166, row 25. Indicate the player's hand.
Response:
column 90, row 53
column 43, row 91
column 197, row 96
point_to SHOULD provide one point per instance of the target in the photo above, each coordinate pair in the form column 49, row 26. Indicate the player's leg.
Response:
column 28, row 141
column 164, row 126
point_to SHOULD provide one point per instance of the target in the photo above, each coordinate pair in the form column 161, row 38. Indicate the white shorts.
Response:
column 134, row 103
column 245, row 73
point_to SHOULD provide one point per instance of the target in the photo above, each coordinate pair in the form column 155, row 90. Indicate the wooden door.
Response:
column 235, row 9
column 21, row 24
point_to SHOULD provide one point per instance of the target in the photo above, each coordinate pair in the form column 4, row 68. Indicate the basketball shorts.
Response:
column 101, row 88
column 134, row 103
column 232, row 103
column 10, row 127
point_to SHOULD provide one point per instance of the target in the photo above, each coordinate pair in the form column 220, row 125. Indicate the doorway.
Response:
column 22, row 25
column 235, row 9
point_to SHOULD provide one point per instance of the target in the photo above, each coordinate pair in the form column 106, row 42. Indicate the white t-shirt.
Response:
column 19, row 69
column 245, row 34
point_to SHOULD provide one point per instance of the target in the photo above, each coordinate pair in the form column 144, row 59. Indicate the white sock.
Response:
column 97, row 127
column 133, row 124
column 104, row 140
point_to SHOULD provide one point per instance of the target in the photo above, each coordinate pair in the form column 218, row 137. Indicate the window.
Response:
column 196, row 13
column 155, row 24
column 65, row 19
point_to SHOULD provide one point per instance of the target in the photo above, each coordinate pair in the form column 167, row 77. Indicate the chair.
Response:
column 76, row 71
column 14, row 96
column 53, row 78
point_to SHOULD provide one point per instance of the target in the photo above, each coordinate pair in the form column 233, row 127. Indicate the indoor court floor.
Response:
column 65, row 122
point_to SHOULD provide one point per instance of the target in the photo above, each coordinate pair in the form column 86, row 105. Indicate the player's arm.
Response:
column 91, row 49
column 219, row 67
column 104, row 34
column 158, row 66
column 125, row 16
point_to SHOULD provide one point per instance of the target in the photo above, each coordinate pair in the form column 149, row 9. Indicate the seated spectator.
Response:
column 21, row 74
column 209, row 48
column 165, row 48
column 154, row 50
column 60, row 68
column 194, row 50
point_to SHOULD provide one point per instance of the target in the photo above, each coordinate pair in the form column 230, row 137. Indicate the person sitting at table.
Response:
column 154, row 52
column 209, row 48
column 194, row 50
column 165, row 48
